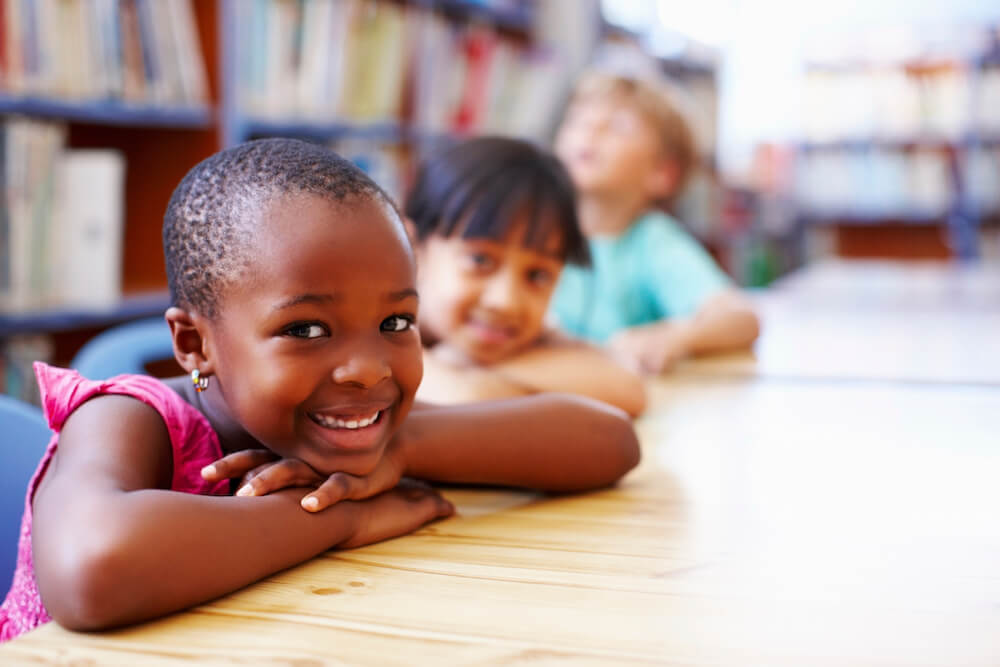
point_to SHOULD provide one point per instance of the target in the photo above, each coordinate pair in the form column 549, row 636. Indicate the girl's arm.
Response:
column 112, row 547
column 445, row 382
column 565, row 365
column 550, row 442
column 558, row 365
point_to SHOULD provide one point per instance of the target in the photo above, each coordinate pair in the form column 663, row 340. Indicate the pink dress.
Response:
column 194, row 443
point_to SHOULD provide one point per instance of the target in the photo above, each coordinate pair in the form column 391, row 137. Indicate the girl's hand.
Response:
column 396, row 512
column 262, row 472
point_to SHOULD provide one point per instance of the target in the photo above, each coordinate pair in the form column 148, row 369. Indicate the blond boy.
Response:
column 653, row 294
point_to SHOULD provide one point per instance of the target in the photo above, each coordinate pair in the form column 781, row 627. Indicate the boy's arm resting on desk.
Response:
column 111, row 547
column 726, row 321
column 549, row 442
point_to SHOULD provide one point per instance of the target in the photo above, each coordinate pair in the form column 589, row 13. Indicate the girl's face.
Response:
column 316, row 353
column 486, row 298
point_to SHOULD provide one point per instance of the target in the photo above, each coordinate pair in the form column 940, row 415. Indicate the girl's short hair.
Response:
column 478, row 188
column 208, row 224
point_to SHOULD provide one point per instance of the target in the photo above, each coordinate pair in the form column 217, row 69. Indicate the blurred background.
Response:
column 849, row 129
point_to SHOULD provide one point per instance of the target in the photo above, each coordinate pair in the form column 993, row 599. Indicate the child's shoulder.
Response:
column 136, row 409
column 657, row 224
column 63, row 390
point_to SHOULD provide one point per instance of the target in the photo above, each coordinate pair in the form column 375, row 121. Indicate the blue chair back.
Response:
column 126, row 348
column 24, row 434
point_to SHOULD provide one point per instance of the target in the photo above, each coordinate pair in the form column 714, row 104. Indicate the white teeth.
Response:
column 333, row 422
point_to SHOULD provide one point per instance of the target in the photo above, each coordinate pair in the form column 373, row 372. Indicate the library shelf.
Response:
column 108, row 112
column 50, row 320
column 322, row 130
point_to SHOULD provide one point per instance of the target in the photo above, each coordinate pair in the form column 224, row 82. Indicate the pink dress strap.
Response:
column 192, row 440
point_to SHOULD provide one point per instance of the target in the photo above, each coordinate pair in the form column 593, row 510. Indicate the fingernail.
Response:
column 245, row 490
column 310, row 503
column 208, row 471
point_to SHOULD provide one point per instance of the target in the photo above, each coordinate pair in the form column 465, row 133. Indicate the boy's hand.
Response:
column 401, row 510
column 263, row 472
column 650, row 349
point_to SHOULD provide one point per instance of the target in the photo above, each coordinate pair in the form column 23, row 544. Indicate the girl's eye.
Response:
column 397, row 323
column 540, row 277
column 481, row 261
column 306, row 330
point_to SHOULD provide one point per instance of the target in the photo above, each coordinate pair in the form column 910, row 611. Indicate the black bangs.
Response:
column 482, row 187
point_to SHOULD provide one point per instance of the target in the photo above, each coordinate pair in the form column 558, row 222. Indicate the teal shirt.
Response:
column 654, row 270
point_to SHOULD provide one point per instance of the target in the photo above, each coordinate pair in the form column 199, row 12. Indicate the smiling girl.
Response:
column 295, row 313
column 495, row 222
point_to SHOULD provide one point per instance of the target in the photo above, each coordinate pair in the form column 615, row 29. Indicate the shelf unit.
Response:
column 159, row 144
column 511, row 20
column 935, row 118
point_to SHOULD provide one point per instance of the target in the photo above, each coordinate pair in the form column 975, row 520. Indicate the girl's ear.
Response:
column 662, row 179
column 188, row 332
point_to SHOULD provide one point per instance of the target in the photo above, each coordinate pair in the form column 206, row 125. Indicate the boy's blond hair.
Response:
column 656, row 102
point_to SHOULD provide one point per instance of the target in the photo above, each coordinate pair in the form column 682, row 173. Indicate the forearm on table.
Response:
column 552, row 442
column 577, row 368
column 446, row 384
column 725, row 322
column 125, row 557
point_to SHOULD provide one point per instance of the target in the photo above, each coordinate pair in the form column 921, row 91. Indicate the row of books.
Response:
column 61, row 216
column 875, row 184
column 134, row 51
column 894, row 103
column 368, row 62
column 882, row 183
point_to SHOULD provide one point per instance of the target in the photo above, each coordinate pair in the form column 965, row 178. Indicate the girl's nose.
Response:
column 363, row 367
column 502, row 293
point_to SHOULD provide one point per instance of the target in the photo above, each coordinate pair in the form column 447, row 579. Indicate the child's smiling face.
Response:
column 316, row 352
column 486, row 298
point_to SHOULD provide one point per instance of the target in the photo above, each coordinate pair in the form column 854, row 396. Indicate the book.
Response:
column 87, row 246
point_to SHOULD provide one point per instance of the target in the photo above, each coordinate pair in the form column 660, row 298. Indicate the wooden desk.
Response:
column 876, row 321
column 773, row 521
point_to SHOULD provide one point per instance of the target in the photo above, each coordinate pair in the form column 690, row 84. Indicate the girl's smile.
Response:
column 353, row 432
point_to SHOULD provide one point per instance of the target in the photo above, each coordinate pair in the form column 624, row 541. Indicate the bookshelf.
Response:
column 419, row 72
column 156, row 124
column 903, row 153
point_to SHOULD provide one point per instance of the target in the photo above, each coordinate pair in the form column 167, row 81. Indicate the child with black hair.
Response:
column 494, row 223
column 294, row 312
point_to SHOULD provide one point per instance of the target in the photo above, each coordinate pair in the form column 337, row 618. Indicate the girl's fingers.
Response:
column 398, row 512
column 339, row 486
column 236, row 464
column 283, row 474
